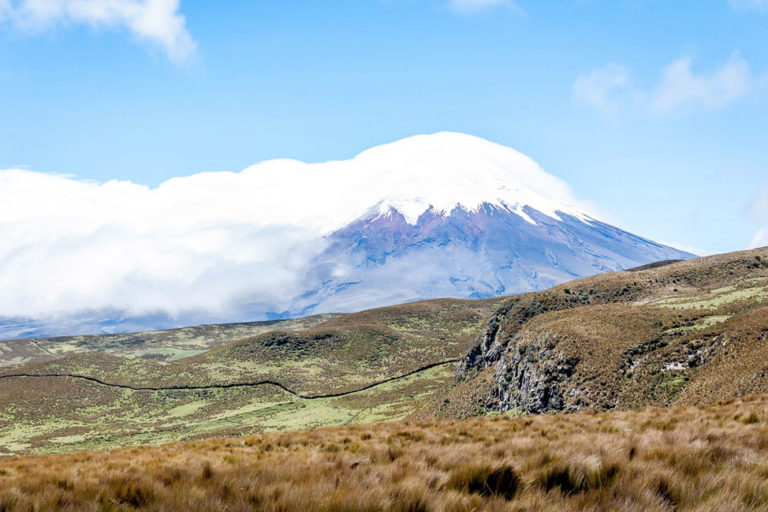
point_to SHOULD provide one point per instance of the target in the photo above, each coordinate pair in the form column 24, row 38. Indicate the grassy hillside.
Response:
column 689, row 332
column 69, row 405
column 681, row 458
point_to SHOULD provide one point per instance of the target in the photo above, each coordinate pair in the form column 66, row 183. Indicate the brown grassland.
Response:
column 710, row 457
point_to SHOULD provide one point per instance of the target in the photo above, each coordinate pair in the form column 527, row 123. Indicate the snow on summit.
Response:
column 447, row 169
column 441, row 171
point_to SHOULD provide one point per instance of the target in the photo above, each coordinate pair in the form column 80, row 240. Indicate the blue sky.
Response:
column 656, row 111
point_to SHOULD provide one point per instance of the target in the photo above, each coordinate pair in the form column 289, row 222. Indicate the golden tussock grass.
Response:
column 681, row 458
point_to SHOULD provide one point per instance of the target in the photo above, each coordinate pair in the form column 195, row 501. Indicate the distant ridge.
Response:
column 650, row 266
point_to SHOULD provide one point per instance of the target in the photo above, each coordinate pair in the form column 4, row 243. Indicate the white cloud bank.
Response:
column 680, row 89
column 212, row 242
column 157, row 22
column 191, row 244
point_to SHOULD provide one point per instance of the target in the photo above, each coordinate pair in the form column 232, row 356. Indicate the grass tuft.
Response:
column 484, row 480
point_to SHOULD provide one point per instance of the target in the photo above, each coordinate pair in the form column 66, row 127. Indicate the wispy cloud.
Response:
column 473, row 6
column 157, row 22
column 600, row 88
column 755, row 5
column 680, row 89
column 758, row 212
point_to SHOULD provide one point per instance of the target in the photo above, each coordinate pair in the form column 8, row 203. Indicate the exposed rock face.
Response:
column 529, row 374
column 490, row 346
column 533, row 377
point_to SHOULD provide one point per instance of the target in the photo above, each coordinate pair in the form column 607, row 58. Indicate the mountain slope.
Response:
column 479, row 253
column 457, row 216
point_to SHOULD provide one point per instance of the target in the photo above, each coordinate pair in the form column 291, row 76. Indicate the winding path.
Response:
column 226, row 386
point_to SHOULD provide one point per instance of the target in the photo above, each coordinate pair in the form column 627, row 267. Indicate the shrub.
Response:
column 751, row 419
column 578, row 477
column 207, row 471
column 408, row 499
column 500, row 481
column 129, row 491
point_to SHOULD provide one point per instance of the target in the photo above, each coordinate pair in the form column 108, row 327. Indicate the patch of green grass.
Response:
column 188, row 408
column 756, row 294
column 78, row 438
column 669, row 383
column 703, row 323
column 167, row 345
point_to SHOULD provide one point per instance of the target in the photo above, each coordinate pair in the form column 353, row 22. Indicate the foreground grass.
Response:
column 693, row 458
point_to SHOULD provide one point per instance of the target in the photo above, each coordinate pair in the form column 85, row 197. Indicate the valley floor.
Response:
column 679, row 458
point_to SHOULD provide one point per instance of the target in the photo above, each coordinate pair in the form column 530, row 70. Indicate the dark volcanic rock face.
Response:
column 534, row 378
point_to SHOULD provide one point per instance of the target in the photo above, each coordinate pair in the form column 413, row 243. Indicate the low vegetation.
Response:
column 680, row 458
column 339, row 355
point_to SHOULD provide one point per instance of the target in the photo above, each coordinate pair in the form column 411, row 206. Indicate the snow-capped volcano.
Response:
column 438, row 172
column 454, row 215
column 435, row 215
column 446, row 170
